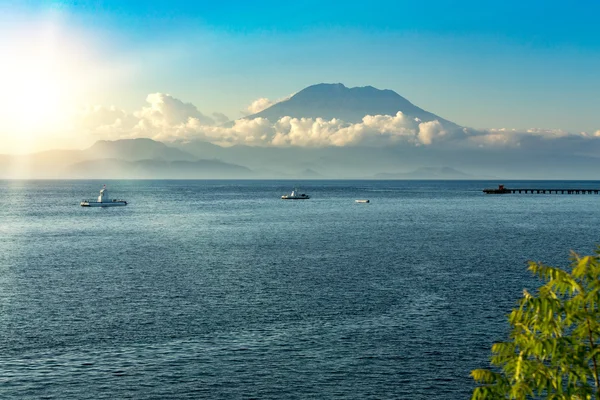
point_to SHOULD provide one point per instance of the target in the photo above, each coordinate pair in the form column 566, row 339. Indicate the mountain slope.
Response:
column 131, row 158
column 427, row 173
column 136, row 149
column 43, row 164
column 330, row 101
column 156, row 169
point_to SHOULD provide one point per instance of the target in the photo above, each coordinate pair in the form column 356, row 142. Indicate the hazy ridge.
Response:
column 144, row 158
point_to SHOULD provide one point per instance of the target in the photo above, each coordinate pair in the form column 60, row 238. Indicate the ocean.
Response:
column 221, row 290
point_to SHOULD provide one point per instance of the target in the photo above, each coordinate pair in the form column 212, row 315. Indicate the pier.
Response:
column 503, row 190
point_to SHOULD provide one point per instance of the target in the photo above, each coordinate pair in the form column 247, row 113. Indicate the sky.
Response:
column 487, row 65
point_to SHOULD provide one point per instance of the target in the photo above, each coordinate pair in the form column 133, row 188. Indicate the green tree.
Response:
column 553, row 347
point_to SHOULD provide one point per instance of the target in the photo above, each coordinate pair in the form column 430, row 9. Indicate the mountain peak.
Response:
column 325, row 87
column 340, row 88
column 335, row 100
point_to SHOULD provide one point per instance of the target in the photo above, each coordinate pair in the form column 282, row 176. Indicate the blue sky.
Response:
column 495, row 64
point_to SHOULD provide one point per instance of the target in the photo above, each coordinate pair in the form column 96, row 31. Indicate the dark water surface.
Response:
column 219, row 289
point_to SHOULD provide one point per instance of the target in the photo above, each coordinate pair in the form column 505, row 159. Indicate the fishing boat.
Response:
column 103, row 201
column 295, row 195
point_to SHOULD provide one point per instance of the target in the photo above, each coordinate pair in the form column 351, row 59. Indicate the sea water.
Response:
column 220, row 289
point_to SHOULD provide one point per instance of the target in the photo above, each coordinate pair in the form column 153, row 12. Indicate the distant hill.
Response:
column 156, row 169
column 309, row 173
column 534, row 158
column 427, row 173
column 349, row 162
column 46, row 164
column 330, row 101
column 200, row 148
column 131, row 158
column 136, row 149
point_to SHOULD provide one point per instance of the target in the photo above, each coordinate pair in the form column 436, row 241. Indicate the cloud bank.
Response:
column 258, row 105
column 166, row 118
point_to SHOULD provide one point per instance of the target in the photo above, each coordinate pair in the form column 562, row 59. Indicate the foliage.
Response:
column 553, row 351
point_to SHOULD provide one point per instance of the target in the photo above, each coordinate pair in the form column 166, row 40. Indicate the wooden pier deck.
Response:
column 503, row 190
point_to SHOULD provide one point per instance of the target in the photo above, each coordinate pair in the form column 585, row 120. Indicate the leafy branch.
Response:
column 552, row 351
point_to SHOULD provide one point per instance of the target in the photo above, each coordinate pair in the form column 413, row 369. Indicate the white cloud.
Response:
column 536, row 139
column 492, row 139
column 263, row 103
column 94, row 117
column 106, row 122
column 429, row 131
column 259, row 104
column 166, row 118
column 377, row 130
column 550, row 133
column 165, row 110
column 163, row 117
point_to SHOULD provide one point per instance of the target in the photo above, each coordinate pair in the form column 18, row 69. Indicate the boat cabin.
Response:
column 103, row 198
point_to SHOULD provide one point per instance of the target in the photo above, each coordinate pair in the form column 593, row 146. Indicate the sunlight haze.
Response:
column 309, row 199
column 75, row 73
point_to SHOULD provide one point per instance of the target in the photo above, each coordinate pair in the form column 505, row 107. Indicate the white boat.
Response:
column 295, row 196
column 362, row 201
column 103, row 201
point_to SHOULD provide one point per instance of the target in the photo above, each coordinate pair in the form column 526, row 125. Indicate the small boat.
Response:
column 362, row 201
column 295, row 196
column 103, row 201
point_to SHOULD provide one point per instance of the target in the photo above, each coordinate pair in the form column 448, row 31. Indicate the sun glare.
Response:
column 36, row 89
column 34, row 99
